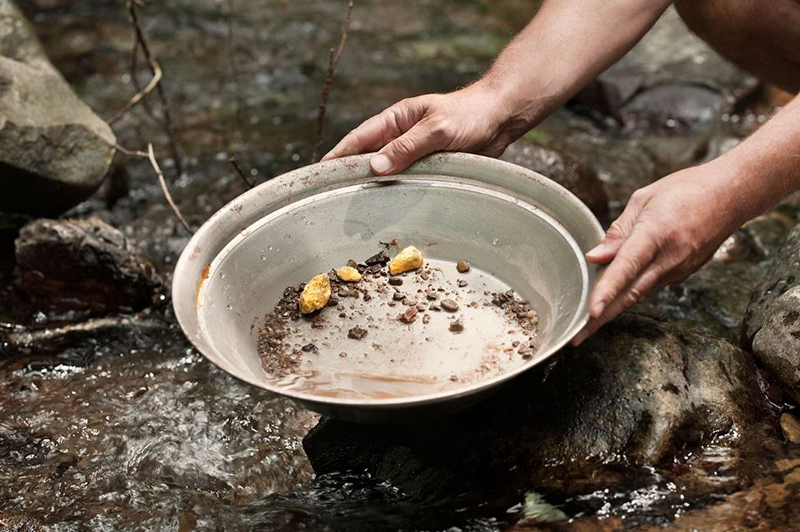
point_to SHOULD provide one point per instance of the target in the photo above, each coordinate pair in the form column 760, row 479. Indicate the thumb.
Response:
column 399, row 154
column 619, row 231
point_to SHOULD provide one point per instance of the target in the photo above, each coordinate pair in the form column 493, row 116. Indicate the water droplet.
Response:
column 495, row 241
column 229, row 307
column 270, row 248
column 221, row 275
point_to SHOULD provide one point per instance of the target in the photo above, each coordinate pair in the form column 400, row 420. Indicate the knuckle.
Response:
column 404, row 146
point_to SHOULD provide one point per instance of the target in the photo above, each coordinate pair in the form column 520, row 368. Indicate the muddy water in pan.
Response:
column 418, row 333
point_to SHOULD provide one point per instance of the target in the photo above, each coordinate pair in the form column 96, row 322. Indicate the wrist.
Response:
column 510, row 110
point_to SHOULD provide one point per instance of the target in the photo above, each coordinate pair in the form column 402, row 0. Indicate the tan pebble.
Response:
column 462, row 266
column 790, row 426
column 316, row 294
column 408, row 259
column 349, row 274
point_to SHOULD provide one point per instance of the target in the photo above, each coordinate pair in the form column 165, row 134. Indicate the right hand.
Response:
column 473, row 119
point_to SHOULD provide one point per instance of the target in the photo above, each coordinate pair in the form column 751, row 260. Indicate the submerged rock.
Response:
column 54, row 150
column 84, row 264
column 782, row 275
column 563, row 169
column 640, row 392
column 777, row 343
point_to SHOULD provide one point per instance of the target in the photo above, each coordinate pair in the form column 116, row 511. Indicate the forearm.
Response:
column 765, row 167
column 566, row 45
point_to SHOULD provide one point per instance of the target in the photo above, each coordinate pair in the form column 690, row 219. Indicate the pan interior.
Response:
column 509, row 243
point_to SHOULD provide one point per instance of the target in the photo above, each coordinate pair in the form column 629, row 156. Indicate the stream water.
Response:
column 139, row 432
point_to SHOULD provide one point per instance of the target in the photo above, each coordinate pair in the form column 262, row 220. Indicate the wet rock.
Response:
column 670, row 73
column 462, row 266
column 379, row 258
column 449, row 305
column 640, row 392
column 675, row 105
column 84, row 264
column 357, row 333
column 782, row 275
column 561, row 168
column 777, row 343
column 54, row 150
column 409, row 316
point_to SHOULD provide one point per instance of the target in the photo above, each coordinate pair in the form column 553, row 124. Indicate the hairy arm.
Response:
column 672, row 227
column 566, row 45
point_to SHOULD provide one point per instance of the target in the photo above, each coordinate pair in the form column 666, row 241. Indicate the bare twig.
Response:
column 132, row 5
column 333, row 61
column 139, row 96
column 239, row 171
column 160, row 174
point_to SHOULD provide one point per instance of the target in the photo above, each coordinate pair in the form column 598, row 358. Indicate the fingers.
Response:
column 608, row 248
column 644, row 285
column 399, row 154
column 634, row 256
column 379, row 130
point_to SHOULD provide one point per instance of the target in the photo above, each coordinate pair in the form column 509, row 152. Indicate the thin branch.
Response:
column 134, row 67
column 139, row 96
column 239, row 171
column 333, row 61
column 131, row 5
column 160, row 174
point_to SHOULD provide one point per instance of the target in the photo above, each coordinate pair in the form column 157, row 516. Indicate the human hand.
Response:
column 474, row 119
column 666, row 232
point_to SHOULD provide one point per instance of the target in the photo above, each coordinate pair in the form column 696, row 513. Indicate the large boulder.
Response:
column 782, row 275
column 84, row 265
column 777, row 343
column 639, row 393
column 54, row 150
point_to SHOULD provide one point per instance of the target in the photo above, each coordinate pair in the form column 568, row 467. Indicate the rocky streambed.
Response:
column 680, row 416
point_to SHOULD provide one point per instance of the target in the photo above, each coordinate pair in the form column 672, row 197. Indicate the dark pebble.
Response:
column 462, row 283
column 367, row 296
column 398, row 296
column 395, row 281
column 457, row 325
column 356, row 333
column 309, row 347
column 378, row 258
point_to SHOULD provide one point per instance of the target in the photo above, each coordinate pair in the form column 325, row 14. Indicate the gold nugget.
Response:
column 316, row 294
column 408, row 259
column 349, row 274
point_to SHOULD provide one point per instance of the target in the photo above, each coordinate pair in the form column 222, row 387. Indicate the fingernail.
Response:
column 598, row 309
column 597, row 250
column 380, row 163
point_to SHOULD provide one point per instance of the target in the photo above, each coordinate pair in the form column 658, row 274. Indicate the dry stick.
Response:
column 134, row 66
column 160, row 174
column 239, row 171
column 159, row 87
column 333, row 61
column 138, row 97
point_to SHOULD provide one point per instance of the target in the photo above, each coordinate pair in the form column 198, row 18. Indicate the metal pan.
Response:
column 517, row 228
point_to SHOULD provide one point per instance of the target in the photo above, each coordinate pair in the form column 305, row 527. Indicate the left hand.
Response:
column 666, row 232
